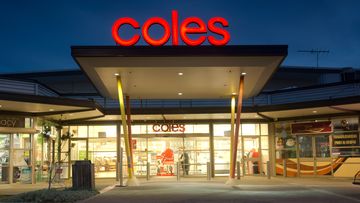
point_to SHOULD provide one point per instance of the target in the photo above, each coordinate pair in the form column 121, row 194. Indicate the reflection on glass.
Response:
column 305, row 147
column 251, row 155
column 22, row 141
column 322, row 146
column 4, row 157
column 250, row 129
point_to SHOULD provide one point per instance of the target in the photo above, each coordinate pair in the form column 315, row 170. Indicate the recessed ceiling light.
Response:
column 116, row 74
column 0, row 105
column 314, row 111
column 234, row 93
column 71, row 114
column 243, row 73
column 180, row 73
column 51, row 109
column 180, row 93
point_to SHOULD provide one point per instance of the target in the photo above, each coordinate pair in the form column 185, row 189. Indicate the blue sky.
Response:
column 37, row 35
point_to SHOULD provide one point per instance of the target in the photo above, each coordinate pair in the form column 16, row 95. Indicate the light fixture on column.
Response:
column 116, row 74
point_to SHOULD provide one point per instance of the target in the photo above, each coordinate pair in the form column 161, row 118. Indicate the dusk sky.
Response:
column 37, row 35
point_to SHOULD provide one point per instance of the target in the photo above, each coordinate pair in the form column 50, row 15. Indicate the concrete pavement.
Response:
column 17, row 188
column 249, row 189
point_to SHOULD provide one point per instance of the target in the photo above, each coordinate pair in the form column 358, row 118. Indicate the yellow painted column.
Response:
column 125, row 129
column 232, row 131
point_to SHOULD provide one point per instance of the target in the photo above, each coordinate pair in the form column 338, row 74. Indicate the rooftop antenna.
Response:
column 317, row 52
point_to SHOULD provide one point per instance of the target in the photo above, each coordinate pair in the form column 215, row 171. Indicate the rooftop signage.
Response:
column 190, row 25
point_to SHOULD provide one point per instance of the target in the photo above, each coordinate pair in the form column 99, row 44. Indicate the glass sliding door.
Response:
column 198, row 152
column 306, row 155
column 314, row 155
column 323, row 165
column 163, row 153
column 251, row 160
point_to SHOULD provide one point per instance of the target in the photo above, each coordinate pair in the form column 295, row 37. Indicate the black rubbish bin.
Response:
column 83, row 176
column 256, row 167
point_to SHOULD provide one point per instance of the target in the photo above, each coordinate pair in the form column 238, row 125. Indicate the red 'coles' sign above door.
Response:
column 215, row 25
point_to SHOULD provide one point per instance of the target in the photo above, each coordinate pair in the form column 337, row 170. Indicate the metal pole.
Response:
column 147, row 171
column 208, row 166
column 238, row 170
column 285, row 168
column 212, row 153
column 121, row 176
column 268, row 169
column 178, row 171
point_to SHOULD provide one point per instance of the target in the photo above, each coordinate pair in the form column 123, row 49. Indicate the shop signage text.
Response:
column 168, row 127
column 342, row 140
column 191, row 25
column 312, row 128
column 12, row 122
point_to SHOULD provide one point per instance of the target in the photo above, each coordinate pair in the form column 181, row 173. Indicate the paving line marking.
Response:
column 108, row 188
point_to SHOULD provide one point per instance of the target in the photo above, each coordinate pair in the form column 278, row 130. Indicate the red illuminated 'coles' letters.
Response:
column 169, row 128
column 201, row 29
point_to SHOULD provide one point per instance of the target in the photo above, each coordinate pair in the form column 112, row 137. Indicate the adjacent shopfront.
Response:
column 17, row 149
column 318, row 148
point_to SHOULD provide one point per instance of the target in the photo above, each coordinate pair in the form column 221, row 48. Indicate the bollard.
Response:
column 121, row 178
column 285, row 168
column 238, row 170
column 268, row 169
column 148, row 171
column 208, row 167
column 177, row 171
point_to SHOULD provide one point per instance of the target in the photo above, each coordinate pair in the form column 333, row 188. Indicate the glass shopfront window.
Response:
column 162, row 150
column 329, row 147
column 21, row 157
column 250, row 152
column 4, row 157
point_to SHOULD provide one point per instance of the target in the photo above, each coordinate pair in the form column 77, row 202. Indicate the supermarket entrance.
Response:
column 165, row 151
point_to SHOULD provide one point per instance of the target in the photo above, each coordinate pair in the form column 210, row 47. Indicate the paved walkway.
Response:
column 249, row 189
column 17, row 188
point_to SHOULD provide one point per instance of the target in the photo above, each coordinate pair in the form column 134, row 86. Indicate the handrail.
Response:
column 357, row 178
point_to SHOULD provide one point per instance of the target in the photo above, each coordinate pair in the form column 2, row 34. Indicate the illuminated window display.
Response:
column 4, row 156
column 328, row 147
column 252, row 148
column 162, row 146
column 15, row 152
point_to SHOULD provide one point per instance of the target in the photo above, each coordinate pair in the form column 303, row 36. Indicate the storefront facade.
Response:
column 295, row 136
column 323, row 148
column 17, row 149
column 98, row 144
